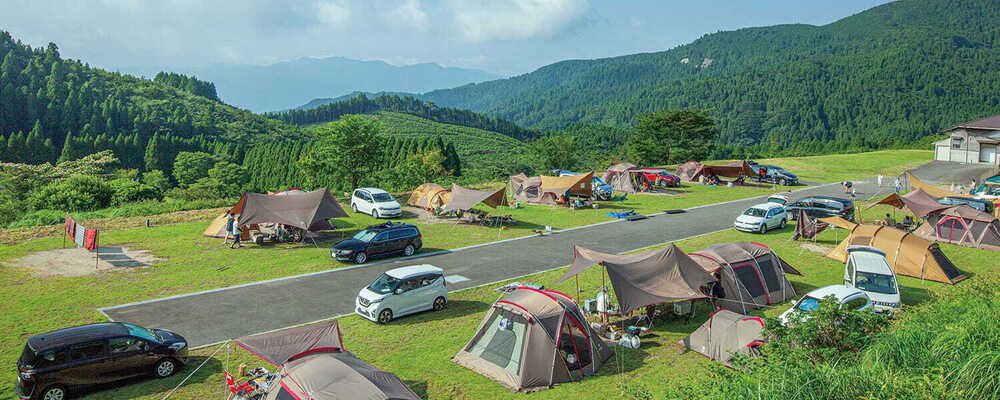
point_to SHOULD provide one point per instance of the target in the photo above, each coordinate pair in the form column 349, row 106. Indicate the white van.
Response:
column 403, row 291
column 868, row 271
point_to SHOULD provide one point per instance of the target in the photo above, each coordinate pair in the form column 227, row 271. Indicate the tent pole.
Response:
column 577, row 296
column 97, row 249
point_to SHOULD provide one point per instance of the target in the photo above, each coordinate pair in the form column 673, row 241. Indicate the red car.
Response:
column 660, row 177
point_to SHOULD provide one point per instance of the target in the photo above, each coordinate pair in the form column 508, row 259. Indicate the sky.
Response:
column 506, row 37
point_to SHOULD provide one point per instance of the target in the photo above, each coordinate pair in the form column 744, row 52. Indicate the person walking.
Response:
column 899, row 185
column 234, row 229
column 880, row 177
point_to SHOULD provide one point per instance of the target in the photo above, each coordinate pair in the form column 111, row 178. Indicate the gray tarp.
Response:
column 724, row 334
column 465, row 199
column 338, row 376
column 917, row 201
column 656, row 276
column 309, row 210
column 281, row 346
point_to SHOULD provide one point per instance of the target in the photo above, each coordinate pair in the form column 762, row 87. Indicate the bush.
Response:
column 39, row 218
column 129, row 191
column 76, row 193
column 189, row 167
column 157, row 179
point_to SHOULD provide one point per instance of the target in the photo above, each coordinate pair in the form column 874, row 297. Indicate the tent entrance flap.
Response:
column 502, row 341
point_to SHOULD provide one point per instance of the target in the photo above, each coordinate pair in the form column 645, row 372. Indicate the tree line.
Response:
column 188, row 84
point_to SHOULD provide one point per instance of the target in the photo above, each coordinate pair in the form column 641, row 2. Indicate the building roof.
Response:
column 67, row 336
column 988, row 123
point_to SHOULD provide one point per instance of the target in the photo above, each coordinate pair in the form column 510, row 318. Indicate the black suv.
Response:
column 55, row 362
column 379, row 240
column 773, row 174
column 822, row 207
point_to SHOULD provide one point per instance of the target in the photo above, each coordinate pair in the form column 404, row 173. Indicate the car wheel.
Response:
column 409, row 250
column 55, row 392
column 165, row 368
column 782, row 225
column 440, row 303
column 784, row 182
column 360, row 257
column 385, row 316
column 354, row 207
column 763, row 228
column 375, row 214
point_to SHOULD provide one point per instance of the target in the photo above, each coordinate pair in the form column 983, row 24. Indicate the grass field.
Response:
column 843, row 167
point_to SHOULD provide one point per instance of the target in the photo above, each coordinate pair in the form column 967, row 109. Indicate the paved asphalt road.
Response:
column 219, row 315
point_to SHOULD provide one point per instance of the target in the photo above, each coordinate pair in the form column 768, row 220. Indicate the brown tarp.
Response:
column 752, row 276
column 807, row 227
column 964, row 226
column 533, row 339
column 465, row 199
column 932, row 190
column 907, row 253
column 917, row 201
column 690, row 171
column 549, row 189
column 577, row 185
column 725, row 334
column 279, row 347
column 839, row 222
column 622, row 177
column 308, row 210
column 338, row 376
column 655, row 276
column 429, row 195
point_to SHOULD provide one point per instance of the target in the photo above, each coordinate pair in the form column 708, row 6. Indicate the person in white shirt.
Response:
column 603, row 304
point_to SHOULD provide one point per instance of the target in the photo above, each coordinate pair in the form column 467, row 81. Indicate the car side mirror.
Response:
column 399, row 291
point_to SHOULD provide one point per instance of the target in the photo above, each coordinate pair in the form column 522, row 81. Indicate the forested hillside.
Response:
column 885, row 77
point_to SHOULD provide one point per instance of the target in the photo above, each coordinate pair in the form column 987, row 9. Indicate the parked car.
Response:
column 54, row 363
column 375, row 202
column 988, row 190
column 380, row 240
column 602, row 190
column 847, row 296
column 403, row 291
column 762, row 218
column 660, row 177
column 773, row 174
column 779, row 198
column 822, row 207
column 979, row 204
column 868, row 271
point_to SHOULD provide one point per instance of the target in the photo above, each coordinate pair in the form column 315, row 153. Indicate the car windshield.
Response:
column 140, row 332
column 877, row 283
column 808, row 304
column 385, row 284
column 382, row 197
column 365, row 235
column 598, row 181
column 755, row 212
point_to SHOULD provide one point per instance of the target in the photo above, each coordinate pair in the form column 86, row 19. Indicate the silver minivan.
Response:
column 403, row 291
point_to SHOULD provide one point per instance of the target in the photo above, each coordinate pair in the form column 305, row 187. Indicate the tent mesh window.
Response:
column 502, row 341
column 574, row 346
column 531, row 192
column 950, row 270
column 771, row 278
column 747, row 275
column 951, row 229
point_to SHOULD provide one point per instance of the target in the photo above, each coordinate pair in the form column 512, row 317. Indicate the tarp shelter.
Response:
column 907, row 253
column 918, row 202
column 807, row 227
column 533, row 339
column 549, row 189
column 622, row 177
column 314, row 366
column 726, row 334
column 692, row 170
column 306, row 210
column 429, row 196
column 751, row 275
column 689, row 171
column 916, row 183
column 217, row 228
column 964, row 226
column 465, row 199
column 655, row 276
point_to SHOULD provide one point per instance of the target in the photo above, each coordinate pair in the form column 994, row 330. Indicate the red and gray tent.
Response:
column 315, row 366
column 751, row 275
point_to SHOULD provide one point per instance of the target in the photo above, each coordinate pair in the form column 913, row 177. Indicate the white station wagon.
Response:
column 762, row 218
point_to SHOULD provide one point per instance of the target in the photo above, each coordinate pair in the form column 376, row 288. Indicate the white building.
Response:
column 973, row 142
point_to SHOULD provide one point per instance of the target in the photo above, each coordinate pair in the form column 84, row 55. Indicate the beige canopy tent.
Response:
column 623, row 177
column 305, row 210
column 907, row 253
column 751, row 274
column 726, row 334
column 429, row 196
column 217, row 228
column 465, row 199
column 918, row 202
column 964, row 226
column 654, row 276
column 550, row 189
column 916, row 183
column 533, row 339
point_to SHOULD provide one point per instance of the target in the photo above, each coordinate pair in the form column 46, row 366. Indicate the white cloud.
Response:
column 486, row 20
column 408, row 14
column 333, row 13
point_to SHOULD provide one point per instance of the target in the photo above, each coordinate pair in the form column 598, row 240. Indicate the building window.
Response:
column 956, row 142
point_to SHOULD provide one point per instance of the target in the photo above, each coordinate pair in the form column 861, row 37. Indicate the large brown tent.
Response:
column 964, row 226
column 752, row 276
column 725, row 334
column 465, row 199
column 550, row 189
column 689, row 171
column 918, row 202
column 906, row 253
column 533, row 339
column 314, row 366
column 655, row 276
column 305, row 210
column 623, row 177
column 429, row 196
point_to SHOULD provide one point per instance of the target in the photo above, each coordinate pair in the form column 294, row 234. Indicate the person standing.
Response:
column 603, row 304
column 234, row 229
column 899, row 185
column 880, row 177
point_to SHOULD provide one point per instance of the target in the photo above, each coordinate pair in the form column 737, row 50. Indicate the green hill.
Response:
column 887, row 76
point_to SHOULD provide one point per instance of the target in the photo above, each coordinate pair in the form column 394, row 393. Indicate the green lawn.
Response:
column 842, row 167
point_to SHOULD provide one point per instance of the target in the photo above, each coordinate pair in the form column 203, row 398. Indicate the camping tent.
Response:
column 807, row 227
column 532, row 339
column 907, row 253
column 429, row 196
column 725, row 334
column 306, row 210
column 690, row 171
column 550, row 189
column 751, row 275
column 314, row 366
column 622, row 177
column 932, row 190
column 917, row 201
column 464, row 199
column 655, row 276
column 964, row 226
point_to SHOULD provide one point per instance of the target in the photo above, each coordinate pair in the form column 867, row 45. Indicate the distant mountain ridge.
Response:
column 286, row 85
column 327, row 100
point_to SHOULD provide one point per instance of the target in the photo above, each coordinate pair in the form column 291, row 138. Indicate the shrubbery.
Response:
column 76, row 193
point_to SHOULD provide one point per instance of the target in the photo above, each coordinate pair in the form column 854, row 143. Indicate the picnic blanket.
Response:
column 623, row 214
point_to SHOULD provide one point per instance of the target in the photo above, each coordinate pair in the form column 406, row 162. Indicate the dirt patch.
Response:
column 426, row 217
column 80, row 262
column 815, row 248
column 12, row 236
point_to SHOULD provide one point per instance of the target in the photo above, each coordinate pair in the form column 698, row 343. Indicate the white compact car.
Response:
column 846, row 296
column 868, row 271
column 403, row 291
column 762, row 218
column 375, row 202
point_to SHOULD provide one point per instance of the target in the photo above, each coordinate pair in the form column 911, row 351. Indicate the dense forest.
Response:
column 188, row 84
column 885, row 77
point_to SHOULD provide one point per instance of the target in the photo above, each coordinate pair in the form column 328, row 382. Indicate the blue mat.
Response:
column 622, row 214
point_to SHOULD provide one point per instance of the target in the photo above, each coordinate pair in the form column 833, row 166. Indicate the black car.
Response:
column 377, row 241
column 822, row 207
column 59, row 361
column 773, row 174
